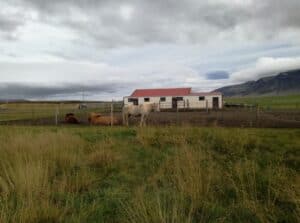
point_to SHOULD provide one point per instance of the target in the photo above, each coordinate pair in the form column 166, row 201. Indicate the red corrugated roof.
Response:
column 161, row 92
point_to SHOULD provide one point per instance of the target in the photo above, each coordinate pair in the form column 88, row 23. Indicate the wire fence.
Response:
column 54, row 113
column 233, row 115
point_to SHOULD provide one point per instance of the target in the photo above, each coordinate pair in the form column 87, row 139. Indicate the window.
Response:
column 179, row 98
column 134, row 101
column 131, row 99
column 201, row 98
column 163, row 99
column 146, row 99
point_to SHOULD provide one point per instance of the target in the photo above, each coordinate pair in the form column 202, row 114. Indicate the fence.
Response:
column 53, row 113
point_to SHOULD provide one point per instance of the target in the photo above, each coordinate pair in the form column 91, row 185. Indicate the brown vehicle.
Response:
column 98, row 119
column 71, row 119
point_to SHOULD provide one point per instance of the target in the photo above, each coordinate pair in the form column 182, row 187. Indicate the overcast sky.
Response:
column 57, row 49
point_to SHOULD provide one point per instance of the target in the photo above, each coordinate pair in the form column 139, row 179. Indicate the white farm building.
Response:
column 176, row 98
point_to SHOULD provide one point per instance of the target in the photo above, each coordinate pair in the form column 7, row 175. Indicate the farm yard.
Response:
column 153, row 174
column 284, row 113
column 149, row 111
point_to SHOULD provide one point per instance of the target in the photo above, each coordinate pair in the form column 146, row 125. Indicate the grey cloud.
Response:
column 216, row 75
column 280, row 13
column 266, row 66
column 167, row 21
column 9, row 23
column 18, row 90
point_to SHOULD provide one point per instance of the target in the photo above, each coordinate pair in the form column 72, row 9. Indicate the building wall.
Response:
column 194, row 102
column 166, row 104
column 190, row 101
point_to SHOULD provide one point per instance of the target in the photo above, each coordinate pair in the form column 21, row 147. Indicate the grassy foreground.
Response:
column 170, row 174
column 269, row 102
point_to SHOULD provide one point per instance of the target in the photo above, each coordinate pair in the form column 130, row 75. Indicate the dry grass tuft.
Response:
column 102, row 158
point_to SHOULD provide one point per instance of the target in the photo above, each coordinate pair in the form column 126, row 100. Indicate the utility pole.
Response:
column 112, row 112
column 82, row 96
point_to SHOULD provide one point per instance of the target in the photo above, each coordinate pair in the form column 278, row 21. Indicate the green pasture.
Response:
column 32, row 111
column 269, row 102
column 163, row 174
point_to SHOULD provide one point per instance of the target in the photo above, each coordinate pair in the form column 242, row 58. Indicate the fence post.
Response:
column 206, row 105
column 257, row 115
column 111, row 112
column 32, row 114
column 56, row 115
column 177, row 118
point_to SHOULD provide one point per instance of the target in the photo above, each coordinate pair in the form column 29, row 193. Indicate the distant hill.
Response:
column 281, row 84
column 13, row 100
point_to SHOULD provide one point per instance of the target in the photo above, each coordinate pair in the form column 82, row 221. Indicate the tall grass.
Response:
column 217, row 177
column 163, row 175
column 177, row 191
column 41, row 175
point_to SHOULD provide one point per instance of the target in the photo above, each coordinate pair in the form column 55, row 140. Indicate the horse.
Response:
column 142, row 110
column 71, row 119
column 98, row 119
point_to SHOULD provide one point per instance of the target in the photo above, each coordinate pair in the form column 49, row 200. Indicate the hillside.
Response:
column 281, row 84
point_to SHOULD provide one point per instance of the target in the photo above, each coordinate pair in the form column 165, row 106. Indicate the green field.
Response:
column 23, row 111
column 165, row 174
column 33, row 111
column 269, row 102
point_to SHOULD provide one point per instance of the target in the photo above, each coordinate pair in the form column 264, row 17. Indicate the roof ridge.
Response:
column 161, row 92
column 163, row 88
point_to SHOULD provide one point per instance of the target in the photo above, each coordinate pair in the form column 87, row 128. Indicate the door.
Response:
column 215, row 102
column 174, row 103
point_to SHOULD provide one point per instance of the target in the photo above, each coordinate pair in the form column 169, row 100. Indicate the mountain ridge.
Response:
column 281, row 84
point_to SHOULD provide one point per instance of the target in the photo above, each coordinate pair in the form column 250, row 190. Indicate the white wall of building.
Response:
column 194, row 102
column 190, row 101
